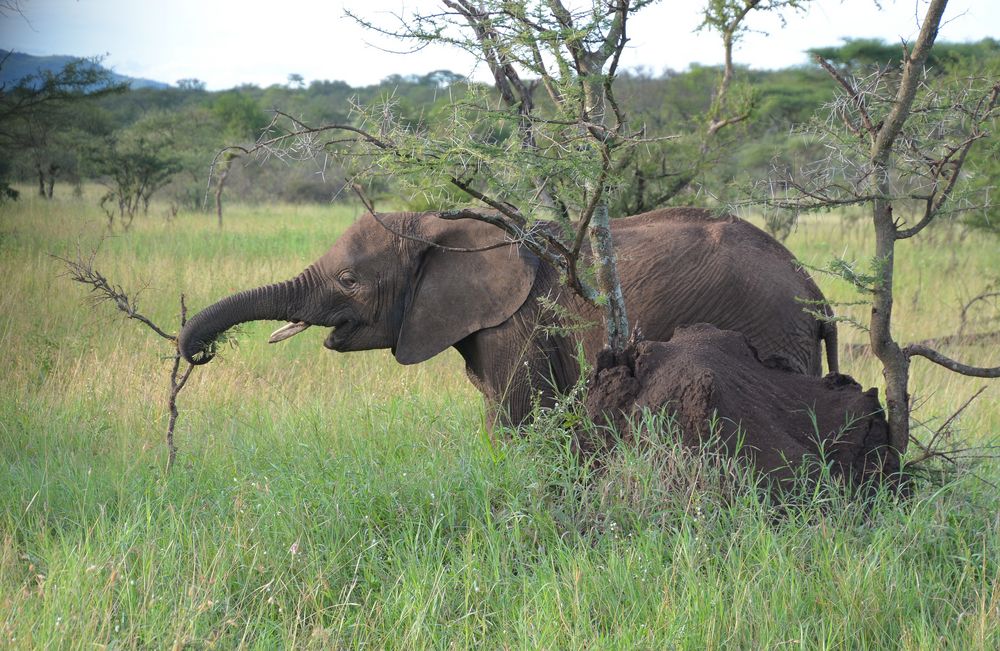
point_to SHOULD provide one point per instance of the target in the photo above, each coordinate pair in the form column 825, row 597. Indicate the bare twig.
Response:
column 936, row 448
column 949, row 165
column 944, row 426
column 8, row 7
column 964, row 315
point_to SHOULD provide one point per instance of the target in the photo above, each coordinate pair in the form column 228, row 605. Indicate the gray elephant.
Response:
column 401, row 284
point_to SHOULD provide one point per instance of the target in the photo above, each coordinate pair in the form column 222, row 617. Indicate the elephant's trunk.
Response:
column 279, row 302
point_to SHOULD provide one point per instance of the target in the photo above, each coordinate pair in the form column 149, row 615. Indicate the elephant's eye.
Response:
column 348, row 280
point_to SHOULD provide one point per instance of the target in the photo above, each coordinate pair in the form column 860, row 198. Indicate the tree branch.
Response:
column 414, row 238
column 954, row 160
column 973, row 339
column 176, row 385
column 907, row 90
column 915, row 350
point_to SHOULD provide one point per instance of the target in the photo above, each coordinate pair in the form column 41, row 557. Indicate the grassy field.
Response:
column 344, row 501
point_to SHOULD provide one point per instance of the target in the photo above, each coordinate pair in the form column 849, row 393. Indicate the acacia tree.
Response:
column 526, row 161
column 898, row 139
column 133, row 165
column 574, row 55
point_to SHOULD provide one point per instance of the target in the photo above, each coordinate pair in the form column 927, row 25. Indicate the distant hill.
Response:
column 18, row 65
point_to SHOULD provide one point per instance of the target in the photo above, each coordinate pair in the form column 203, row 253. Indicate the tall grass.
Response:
column 332, row 501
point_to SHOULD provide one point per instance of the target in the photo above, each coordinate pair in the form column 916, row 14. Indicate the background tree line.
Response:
column 60, row 129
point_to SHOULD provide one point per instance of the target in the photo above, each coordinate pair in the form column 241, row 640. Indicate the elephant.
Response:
column 410, row 283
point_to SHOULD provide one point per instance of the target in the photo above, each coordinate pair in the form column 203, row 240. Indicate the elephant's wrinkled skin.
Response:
column 679, row 266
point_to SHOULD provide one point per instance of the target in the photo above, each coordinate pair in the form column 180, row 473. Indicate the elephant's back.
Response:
column 687, row 227
column 695, row 241
column 681, row 266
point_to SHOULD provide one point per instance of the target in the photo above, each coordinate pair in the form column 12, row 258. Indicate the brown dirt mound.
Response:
column 778, row 420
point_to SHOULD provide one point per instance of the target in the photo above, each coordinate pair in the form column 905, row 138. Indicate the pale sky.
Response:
column 229, row 42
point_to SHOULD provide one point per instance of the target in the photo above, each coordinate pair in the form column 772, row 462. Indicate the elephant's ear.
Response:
column 458, row 293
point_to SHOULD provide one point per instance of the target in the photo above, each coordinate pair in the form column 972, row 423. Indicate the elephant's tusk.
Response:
column 286, row 331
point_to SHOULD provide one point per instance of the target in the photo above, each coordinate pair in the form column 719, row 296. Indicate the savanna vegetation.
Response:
column 323, row 500
column 327, row 501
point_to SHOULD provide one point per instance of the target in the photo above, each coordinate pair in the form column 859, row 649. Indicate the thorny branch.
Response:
column 82, row 270
column 949, row 116
column 856, row 100
column 950, row 164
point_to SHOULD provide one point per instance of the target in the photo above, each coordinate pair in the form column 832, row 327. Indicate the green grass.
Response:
column 344, row 501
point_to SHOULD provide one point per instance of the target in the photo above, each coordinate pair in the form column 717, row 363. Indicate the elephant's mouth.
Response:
column 339, row 334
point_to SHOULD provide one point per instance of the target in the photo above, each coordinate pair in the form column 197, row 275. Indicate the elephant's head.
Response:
column 397, row 284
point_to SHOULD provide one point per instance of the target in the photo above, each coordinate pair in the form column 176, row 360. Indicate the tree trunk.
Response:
column 218, row 192
column 640, row 191
column 52, row 180
column 608, row 281
column 895, row 364
column 41, row 181
column 599, row 231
